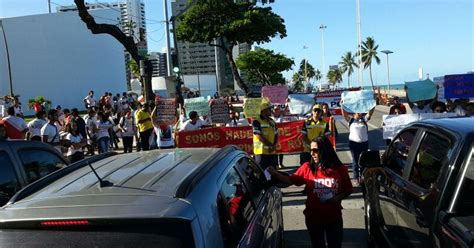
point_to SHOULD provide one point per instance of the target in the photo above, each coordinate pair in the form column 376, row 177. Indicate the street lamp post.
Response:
column 323, row 27
column 359, row 41
column 388, row 69
column 8, row 58
column 167, row 37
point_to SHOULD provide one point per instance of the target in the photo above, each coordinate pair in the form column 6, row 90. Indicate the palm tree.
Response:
column 347, row 65
column 369, row 52
column 334, row 76
column 317, row 75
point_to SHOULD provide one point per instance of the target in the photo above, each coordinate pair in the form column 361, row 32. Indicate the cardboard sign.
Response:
column 393, row 124
column 276, row 94
column 165, row 109
column 219, row 111
column 301, row 104
column 252, row 107
column 361, row 101
column 459, row 86
column 421, row 90
column 198, row 104
column 290, row 139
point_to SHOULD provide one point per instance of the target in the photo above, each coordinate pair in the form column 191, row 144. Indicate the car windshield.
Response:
column 465, row 199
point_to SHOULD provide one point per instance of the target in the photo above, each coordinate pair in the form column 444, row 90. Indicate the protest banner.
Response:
column 392, row 124
column 421, row 90
column 276, row 94
column 252, row 107
column 165, row 109
column 332, row 99
column 198, row 104
column 219, row 111
column 459, row 86
column 300, row 104
column 289, row 133
column 361, row 101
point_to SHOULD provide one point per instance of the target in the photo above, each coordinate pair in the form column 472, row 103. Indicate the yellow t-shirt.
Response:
column 142, row 115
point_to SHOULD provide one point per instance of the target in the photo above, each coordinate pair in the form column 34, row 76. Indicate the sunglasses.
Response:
column 315, row 150
column 316, row 110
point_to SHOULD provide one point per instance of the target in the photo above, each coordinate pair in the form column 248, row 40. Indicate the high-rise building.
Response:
column 132, row 23
column 200, row 58
column 158, row 60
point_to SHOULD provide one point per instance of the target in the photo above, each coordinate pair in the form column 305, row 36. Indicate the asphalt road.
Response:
column 296, row 235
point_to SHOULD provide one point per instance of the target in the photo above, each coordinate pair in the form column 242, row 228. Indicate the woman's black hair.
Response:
column 329, row 112
column 328, row 157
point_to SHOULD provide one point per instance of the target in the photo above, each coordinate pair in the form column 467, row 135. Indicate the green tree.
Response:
column 229, row 23
column 262, row 66
column 306, row 70
column 334, row 76
column 318, row 75
column 369, row 52
column 347, row 65
column 297, row 82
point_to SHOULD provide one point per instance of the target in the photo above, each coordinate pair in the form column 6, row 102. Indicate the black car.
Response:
column 161, row 198
column 23, row 162
column 421, row 192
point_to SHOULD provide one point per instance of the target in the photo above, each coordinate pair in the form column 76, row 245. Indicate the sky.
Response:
column 437, row 35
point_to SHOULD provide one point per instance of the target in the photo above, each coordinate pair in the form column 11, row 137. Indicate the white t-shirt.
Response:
column 103, row 129
column 90, row 101
column 18, row 122
column 460, row 111
column 74, row 140
column 188, row 126
column 424, row 110
column 35, row 126
column 52, row 132
column 128, row 125
column 358, row 131
column 164, row 138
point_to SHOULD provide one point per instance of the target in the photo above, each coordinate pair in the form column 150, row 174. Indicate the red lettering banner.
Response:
column 289, row 135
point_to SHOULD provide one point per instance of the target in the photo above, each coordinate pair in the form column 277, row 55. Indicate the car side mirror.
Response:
column 370, row 159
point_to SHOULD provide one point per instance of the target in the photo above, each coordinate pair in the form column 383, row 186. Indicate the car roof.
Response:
column 146, row 182
column 460, row 125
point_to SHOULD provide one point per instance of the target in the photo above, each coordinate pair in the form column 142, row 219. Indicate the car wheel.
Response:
column 369, row 226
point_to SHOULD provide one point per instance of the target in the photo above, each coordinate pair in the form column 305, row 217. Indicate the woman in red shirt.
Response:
column 328, row 183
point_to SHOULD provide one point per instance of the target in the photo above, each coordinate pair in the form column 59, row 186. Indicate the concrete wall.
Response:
column 56, row 56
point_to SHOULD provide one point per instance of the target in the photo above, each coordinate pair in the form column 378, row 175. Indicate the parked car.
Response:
column 204, row 197
column 421, row 192
column 24, row 162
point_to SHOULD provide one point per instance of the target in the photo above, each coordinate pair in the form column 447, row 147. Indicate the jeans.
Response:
column 356, row 150
column 145, row 139
column 103, row 144
column 327, row 233
column 127, row 143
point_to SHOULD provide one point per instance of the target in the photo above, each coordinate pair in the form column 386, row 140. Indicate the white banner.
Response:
column 392, row 124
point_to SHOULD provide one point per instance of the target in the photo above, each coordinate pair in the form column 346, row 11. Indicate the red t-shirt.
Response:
column 322, row 185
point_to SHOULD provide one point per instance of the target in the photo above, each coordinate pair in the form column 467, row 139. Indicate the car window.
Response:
column 8, row 180
column 430, row 157
column 253, row 177
column 397, row 153
column 235, row 207
column 39, row 163
column 465, row 200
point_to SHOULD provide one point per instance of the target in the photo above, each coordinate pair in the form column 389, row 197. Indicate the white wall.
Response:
column 56, row 56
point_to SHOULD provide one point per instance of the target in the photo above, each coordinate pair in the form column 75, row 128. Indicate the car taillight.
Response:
column 65, row 223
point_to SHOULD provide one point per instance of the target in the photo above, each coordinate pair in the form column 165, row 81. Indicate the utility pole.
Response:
column 323, row 27
column 167, row 35
column 387, row 52
column 359, row 41
column 49, row 6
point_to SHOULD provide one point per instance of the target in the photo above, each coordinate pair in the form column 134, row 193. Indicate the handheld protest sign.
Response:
column 165, row 109
column 252, row 107
column 198, row 104
column 459, row 86
column 421, row 90
column 361, row 101
column 219, row 111
column 276, row 94
column 300, row 104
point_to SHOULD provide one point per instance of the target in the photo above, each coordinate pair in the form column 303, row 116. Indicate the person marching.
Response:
column 265, row 136
column 328, row 183
column 331, row 122
column 313, row 127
